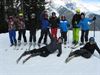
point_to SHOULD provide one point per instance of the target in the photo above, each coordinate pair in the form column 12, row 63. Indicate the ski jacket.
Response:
column 45, row 24
column 21, row 24
column 53, row 22
column 75, row 20
column 54, row 46
column 84, row 23
column 63, row 25
column 91, row 48
column 32, row 24
column 11, row 25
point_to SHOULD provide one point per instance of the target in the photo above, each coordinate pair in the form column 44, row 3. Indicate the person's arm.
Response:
column 97, row 48
column 59, row 50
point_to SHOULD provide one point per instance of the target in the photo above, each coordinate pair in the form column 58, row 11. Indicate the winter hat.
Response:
column 92, row 40
column 83, row 13
column 78, row 10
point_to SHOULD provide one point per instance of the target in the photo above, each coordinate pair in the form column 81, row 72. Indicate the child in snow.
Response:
column 21, row 29
column 46, row 50
column 12, row 31
column 54, row 24
column 86, row 51
column 32, row 29
column 84, row 24
column 44, row 29
column 63, row 25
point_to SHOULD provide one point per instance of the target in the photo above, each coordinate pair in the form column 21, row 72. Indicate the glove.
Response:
column 94, row 18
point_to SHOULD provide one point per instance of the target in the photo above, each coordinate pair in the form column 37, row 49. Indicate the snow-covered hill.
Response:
column 51, row 65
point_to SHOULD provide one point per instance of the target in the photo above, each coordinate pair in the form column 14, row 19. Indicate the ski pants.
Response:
column 12, row 36
column 54, row 32
column 82, row 52
column 76, row 34
column 22, row 32
column 64, row 35
column 43, row 52
column 84, row 35
column 44, row 34
column 32, row 35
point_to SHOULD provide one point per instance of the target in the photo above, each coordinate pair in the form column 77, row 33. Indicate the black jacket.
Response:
column 75, row 20
column 54, row 22
column 91, row 47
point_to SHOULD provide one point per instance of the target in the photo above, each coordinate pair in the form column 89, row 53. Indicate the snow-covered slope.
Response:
column 51, row 65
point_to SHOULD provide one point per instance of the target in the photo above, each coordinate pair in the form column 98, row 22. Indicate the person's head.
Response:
column 60, row 40
column 63, row 17
column 53, row 14
column 32, row 15
column 20, row 15
column 91, row 40
column 82, row 15
column 10, row 18
column 77, row 11
column 45, row 16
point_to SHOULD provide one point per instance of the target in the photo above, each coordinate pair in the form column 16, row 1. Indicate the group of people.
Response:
column 53, row 23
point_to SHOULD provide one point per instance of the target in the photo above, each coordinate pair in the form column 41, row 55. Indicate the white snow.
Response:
column 51, row 65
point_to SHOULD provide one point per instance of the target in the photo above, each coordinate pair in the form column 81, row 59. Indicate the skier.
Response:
column 54, row 24
column 32, row 29
column 46, row 50
column 86, row 51
column 21, row 29
column 84, row 24
column 44, row 29
column 12, row 30
column 75, row 20
column 63, row 25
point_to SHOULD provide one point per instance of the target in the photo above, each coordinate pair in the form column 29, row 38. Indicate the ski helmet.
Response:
column 92, row 40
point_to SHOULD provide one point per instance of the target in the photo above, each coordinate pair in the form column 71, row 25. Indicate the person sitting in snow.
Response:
column 46, row 50
column 86, row 51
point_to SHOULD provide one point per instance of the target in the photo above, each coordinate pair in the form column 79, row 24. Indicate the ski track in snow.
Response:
column 51, row 65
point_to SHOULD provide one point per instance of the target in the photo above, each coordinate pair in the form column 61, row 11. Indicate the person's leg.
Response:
column 41, row 36
column 34, row 51
column 55, row 32
column 65, row 37
column 76, row 35
column 86, row 54
column 24, row 36
column 86, row 35
column 34, row 35
column 14, row 37
column 19, row 36
column 10, row 36
column 30, row 38
column 82, row 36
column 45, row 37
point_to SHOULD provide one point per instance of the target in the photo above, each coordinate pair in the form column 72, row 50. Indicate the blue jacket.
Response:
column 63, row 25
column 45, row 24
column 84, row 23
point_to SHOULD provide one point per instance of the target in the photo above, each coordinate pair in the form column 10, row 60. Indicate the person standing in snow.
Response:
column 54, row 24
column 44, row 29
column 84, row 24
column 75, row 20
column 32, row 29
column 45, row 50
column 86, row 51
column 12, row 30
column 63, row 25
column 21, row 29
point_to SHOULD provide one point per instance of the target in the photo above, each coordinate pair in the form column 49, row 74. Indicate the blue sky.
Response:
column 91, row 1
